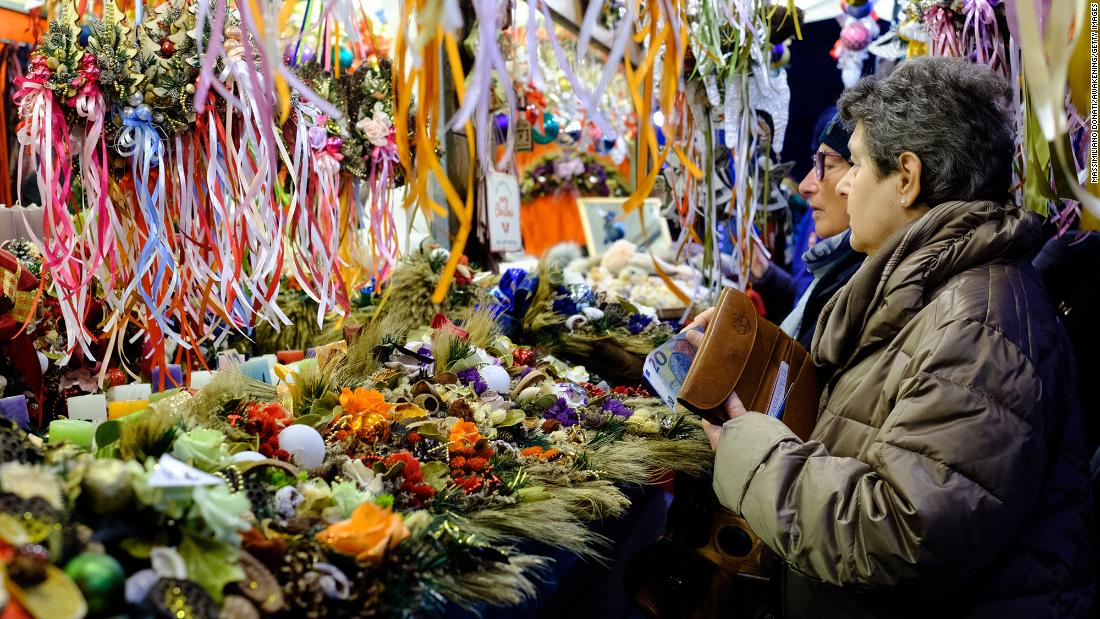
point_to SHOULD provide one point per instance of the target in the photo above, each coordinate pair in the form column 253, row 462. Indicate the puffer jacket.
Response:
column 946, row 474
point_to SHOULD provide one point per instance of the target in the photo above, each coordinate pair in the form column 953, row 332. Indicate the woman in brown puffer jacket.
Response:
column 946, row 475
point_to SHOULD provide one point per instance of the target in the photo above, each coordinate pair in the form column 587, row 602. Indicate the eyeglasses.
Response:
column 819, row 162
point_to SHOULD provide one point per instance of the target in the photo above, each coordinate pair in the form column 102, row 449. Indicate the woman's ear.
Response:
column 909, row 169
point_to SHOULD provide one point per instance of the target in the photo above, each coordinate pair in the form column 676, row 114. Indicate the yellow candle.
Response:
column 116, row 410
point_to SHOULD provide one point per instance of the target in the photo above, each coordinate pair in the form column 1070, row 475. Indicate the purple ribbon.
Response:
column 944, row 40
column 982, row 33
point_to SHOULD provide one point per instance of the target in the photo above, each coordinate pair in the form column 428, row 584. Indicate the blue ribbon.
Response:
column 513, row 297
column 140, row 141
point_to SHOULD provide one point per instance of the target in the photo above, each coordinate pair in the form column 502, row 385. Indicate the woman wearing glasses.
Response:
column 946, row 475
column 831, row 260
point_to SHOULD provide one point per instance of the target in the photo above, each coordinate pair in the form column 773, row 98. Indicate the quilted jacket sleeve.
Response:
column 947, row 478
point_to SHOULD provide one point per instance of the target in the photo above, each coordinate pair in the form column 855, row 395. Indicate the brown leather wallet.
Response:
column 744, row 354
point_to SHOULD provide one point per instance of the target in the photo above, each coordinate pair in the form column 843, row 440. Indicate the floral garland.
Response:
column 581, row 173
column 382, row 480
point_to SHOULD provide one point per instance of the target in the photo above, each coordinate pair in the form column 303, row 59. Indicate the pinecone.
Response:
column 14, row 447
column 366, row 600
column 303, row 592
column 24, row 251
column 259, row 495
column 39, row 519
column 170, row 598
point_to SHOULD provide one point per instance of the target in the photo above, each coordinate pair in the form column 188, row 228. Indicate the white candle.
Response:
column 92, row 407
column 201, row 378
column 133, row 391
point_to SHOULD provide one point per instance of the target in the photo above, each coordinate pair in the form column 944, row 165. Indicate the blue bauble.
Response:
column 859, row 11
column 550, row 129
column 85, row 32
column 346, row 58
column 608, row 142
column 501, row 122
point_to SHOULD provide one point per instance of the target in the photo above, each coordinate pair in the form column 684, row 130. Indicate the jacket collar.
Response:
column 895, row 283
column 828, row 251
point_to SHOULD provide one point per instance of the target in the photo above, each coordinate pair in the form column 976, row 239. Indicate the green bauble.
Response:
column 101, row 579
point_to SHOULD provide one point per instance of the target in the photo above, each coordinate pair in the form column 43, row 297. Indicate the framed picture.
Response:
column 605, row 222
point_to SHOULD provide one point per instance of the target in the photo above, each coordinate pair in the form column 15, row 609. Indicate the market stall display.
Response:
column 235, row 382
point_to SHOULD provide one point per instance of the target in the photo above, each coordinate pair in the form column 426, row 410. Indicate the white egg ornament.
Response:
column 496, row 377
column 304, row 444
column 248, row 456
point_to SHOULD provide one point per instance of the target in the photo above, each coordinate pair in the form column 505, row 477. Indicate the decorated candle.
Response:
column 92, row 407
column 76, row 431
column 286, row 357
column 133, row 391
column 15, row 410
column 167, row 380
column 260, row 368
column 119, row 409
column 201, row 378
column 229, row 360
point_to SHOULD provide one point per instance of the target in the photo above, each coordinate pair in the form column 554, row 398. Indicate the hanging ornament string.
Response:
column 982, row 34
column 479, row 92
column 945, row 41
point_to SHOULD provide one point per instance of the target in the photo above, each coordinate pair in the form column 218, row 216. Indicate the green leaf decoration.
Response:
column 315, row 421
column 212, row 564
column 436, row 474
column 514, row 417
column 108, row 433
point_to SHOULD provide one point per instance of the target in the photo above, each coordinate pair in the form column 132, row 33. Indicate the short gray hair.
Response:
column 954, row 115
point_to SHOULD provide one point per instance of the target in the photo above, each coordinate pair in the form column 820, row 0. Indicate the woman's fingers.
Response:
column 694, row 337
column 701, row 321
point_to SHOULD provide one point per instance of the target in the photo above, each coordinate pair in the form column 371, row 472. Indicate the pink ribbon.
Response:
column 945, row 42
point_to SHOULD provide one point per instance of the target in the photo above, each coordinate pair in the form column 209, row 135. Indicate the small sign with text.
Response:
column 502, row 209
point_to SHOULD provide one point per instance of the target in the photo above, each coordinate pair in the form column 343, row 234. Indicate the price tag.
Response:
column 172, row 473
column 523, row 134
column 502, row 209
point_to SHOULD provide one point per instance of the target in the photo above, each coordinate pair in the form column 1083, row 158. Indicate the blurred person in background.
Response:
column 830, row 260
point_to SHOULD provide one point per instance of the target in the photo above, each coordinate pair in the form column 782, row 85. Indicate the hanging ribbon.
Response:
column 982, row 34
column 44, row 137
column 945, row 41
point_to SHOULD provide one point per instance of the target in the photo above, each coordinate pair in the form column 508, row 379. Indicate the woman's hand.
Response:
column 713, row 433
column 734, row 409
column 701, row 321
column 760, row 265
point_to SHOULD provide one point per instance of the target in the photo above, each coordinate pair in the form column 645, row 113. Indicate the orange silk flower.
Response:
column 364, row 401
column 464, row 435
column 368, row 534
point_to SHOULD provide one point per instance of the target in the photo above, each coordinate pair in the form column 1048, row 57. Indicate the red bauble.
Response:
column 114, row 378
column 523, row 356
column 167, row 48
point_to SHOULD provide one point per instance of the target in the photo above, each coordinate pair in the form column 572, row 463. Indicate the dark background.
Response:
column 815, row 85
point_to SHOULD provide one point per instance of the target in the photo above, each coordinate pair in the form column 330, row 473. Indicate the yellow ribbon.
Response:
column 24, row 301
